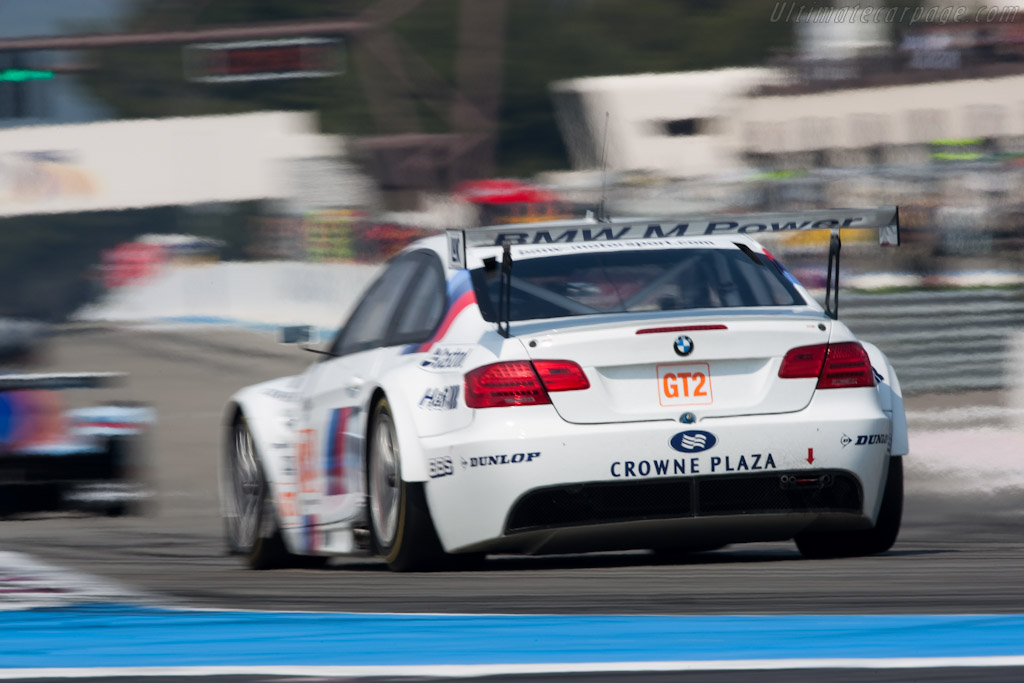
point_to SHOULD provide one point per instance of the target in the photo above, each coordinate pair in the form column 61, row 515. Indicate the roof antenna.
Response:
column 604, row 172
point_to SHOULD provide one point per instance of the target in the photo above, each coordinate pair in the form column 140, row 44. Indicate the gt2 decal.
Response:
column 441, row 398
column 504, row 459
column 684, row 384
column 440, row 467
column 444, row 358
column 699, row 465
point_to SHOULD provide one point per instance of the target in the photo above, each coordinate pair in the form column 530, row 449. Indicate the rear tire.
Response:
column 400, row 526
column 250, row 521
column 869, row 541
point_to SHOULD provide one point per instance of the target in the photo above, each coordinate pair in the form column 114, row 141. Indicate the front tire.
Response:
column 250, row 522
column 869, row 541
column 400, row 525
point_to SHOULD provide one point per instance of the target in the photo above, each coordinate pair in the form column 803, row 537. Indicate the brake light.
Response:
column 836, row 366
column 846, row 365
column 681, row 328
column 561, row 375
column 803, row 361
column 521, row 383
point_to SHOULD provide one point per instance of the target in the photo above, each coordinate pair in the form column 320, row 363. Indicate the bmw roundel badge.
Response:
column 693, row 441
column 683, row 345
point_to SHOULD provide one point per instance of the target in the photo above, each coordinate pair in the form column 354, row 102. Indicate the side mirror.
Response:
column 297, row 334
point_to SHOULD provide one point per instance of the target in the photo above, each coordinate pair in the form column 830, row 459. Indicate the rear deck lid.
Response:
column 712, row 365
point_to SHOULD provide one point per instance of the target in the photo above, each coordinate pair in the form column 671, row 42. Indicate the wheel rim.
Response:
column 384, row 481
column 246, row 490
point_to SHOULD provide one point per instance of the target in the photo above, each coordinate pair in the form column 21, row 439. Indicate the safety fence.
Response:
column 941, row 340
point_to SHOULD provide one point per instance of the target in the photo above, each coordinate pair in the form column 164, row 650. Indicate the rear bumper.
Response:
column 524, row 480
column 794, row 492
column 86, row 479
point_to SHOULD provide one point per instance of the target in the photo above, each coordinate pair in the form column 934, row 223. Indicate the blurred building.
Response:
column 131, row 164
column 853, row 94
column 669, row 124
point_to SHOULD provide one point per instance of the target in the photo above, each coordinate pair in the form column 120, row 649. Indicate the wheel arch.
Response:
column 410, row 454
column 269, row 432
column 891, row 396
column 274, row 449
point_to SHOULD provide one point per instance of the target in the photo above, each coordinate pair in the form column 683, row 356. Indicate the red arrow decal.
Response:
column 810, row 456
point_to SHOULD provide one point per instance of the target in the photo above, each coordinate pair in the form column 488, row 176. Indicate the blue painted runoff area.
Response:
column 130, row 636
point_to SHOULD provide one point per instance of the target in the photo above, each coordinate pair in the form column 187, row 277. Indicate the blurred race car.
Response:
column 57, row 459
column 578, row 386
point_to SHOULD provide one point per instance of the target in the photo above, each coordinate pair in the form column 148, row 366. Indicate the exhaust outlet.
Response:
column 805, row 481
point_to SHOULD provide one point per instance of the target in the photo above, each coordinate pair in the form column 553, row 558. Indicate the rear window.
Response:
column 630, row 281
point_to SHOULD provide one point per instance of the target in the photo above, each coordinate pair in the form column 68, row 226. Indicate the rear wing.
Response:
column 58, row 380
column 885, row 219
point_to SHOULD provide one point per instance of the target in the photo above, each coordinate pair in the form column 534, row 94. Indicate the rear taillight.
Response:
column 521, row 383
column 836, row 366
column 846, row 365
column 803, row 361
column 561, row 375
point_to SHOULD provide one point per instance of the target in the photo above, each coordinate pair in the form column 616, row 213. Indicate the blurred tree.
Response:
column 546, row 40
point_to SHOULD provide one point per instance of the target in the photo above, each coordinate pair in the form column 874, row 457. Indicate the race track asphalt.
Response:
column 960, row 551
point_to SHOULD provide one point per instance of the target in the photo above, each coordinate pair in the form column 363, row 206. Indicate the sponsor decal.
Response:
column 445, row 358
column 504, row 459
column 693, row 441
column 287, row 504
column 281, row 395
column 440, row 467
column 871, row 439
column 663, row 230
column 683, row 345
column 677, row 243
column 304, row 457
column 695, row 465
column 684, row 384
column 441, row 398
column 845, row 440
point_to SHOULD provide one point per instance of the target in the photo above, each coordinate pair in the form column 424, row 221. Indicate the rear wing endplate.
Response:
column 885, row 219
column 62, row 380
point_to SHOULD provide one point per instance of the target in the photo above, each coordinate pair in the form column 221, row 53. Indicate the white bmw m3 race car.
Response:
column 578, row 386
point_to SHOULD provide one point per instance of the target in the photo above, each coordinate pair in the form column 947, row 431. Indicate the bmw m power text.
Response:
column 573, row 387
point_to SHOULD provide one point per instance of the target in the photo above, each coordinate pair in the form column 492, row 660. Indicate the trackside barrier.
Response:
column 1015, row 375
column 943, row 341
column 260, row 294
column 938, row 341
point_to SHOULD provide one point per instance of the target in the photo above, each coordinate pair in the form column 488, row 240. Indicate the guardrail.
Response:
column 940, row 341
